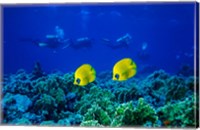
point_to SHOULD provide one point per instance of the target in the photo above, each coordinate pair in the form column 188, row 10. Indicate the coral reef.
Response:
column 45, row 105
column 14, row 106
column 22, row 121
column 91, row 123
column 177, row 89
column 158, row 100
column 48, row 123
column 64, row 122
column 160, row 88
column 37, row 71
column 181, row 114
column 128, row 92
column 103, row 97
column 98, row 114
column 128, row 115
column 18, row 83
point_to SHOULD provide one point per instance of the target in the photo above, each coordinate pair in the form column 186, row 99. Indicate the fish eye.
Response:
column 117, row 76
column 78, row 80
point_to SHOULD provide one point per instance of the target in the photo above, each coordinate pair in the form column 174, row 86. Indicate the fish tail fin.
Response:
column 29, row 40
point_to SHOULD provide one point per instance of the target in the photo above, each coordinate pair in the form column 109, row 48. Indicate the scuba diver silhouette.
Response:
column 123, row 41
column 58, row 41
column 51, row 41
column 83, row 42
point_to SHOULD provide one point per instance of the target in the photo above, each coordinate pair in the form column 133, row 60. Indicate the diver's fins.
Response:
column 67, row 43
column 42, row 44
column 33, row 41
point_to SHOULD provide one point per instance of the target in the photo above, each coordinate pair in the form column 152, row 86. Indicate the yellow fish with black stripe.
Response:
column 84, row 75
column 124, row 69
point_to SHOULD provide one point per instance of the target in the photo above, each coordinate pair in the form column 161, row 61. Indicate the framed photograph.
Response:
column 125, row 64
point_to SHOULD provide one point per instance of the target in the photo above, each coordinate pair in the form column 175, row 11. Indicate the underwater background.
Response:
column 38, row 79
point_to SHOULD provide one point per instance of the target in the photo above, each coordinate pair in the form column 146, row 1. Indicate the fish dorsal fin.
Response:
column 132, row 65
column 83, row 70
column 92, row 75
column 132, row 69
column 128, row 64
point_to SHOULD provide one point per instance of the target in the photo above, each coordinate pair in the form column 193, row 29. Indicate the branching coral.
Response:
column 91, row 123
column 127, row 93
column 97, row 113
column 128, row 115
column 52, row 81
column 45, row 104
column 59, row 95
column 160, row 88
column 153, row 88
column 181, row 114
column 144, row 112
column 103, row 97
column 176, row 88
column 18, row 83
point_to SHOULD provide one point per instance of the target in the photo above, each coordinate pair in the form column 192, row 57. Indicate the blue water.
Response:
column 168, row 30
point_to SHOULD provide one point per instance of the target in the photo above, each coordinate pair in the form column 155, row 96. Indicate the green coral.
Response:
column 145, row 112
column 103, row 97
column 181, row 114
column 119, row 118
column 99, row 104
column 125, row 115
column 97, row 113
column 128, row 115
column 93, row 123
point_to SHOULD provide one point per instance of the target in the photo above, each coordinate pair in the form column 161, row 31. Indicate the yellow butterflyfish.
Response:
column 124, row 69
column 84, row 75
